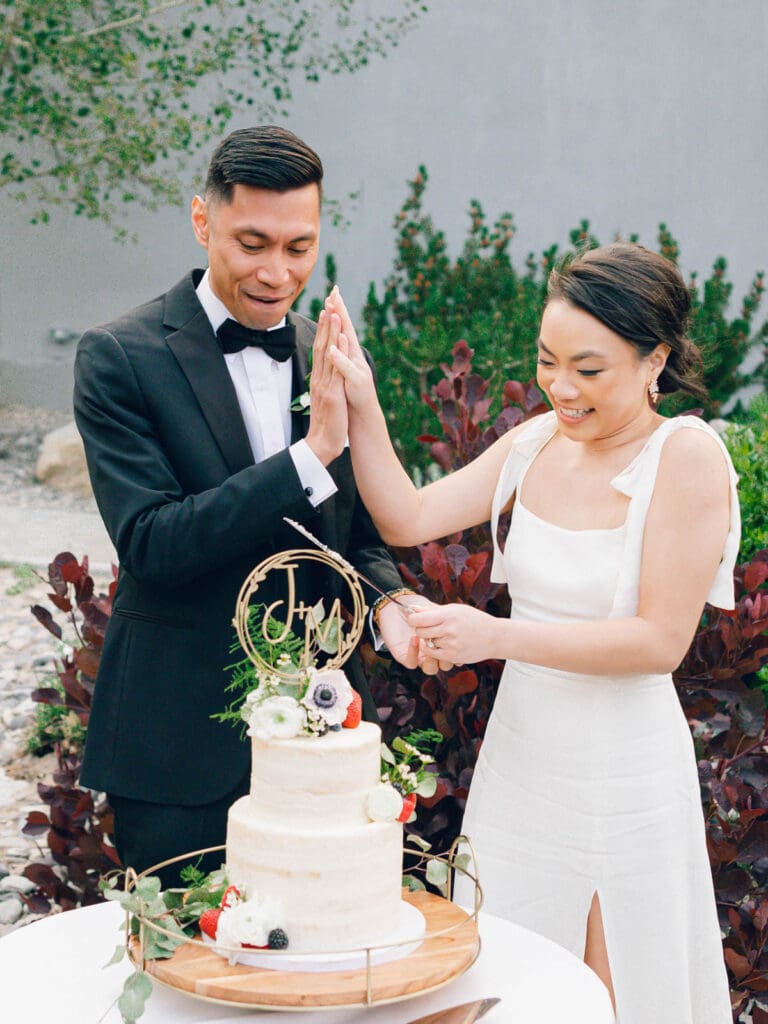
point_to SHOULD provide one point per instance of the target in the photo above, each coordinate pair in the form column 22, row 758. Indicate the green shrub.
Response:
column 429, row 302
column 54, row 726
column 748, row 444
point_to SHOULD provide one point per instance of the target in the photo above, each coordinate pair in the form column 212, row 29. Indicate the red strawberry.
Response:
column 354, row 712
column 409, row 803
column 231, row 897
column 209, row 921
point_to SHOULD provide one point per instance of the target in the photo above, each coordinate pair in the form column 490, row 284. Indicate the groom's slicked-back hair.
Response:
column 264, row 157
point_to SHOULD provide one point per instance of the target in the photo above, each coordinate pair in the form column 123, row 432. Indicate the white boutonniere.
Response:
column 301, row 403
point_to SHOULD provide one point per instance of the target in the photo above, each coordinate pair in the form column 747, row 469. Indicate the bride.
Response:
column 584, row 808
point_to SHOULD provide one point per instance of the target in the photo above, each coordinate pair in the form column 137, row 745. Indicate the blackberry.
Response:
column 277, row 939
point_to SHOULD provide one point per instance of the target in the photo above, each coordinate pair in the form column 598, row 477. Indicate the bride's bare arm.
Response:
column 403, row 514
column 685, row 530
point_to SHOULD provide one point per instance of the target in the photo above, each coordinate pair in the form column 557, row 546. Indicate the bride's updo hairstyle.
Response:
column 640, row 296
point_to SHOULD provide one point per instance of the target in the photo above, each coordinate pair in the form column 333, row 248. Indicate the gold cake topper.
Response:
column 285, row 612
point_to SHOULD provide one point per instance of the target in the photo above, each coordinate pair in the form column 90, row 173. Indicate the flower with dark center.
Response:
column 324, row 695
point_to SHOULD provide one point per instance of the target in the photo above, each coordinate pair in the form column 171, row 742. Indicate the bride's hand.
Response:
column 328, row 421
column 456, row 633
column 351, row 364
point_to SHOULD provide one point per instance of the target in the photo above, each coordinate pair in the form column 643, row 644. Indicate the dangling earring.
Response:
column 653, row 390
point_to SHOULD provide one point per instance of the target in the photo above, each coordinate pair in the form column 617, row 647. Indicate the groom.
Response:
column 184, row 406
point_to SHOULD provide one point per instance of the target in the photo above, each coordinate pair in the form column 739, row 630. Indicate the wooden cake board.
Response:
column 200, row 972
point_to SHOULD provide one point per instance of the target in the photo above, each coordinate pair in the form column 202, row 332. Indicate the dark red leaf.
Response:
column 37, row 824
column 48, row 695
column 462, row 682
column 37, row 904
column 42, row 874
column 87, row 661
column 62, row 602
column 65, row 567
column 45, row 619
column 755, row 574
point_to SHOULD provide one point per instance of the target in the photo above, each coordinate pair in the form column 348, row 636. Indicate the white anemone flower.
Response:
column 384, row 803
column 250, row 922
column 278, row 718
column 329, row 692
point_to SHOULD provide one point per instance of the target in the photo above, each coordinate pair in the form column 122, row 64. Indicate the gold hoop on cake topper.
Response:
column 288, row 562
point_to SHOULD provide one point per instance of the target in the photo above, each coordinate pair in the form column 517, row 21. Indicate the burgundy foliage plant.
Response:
column 76, row 823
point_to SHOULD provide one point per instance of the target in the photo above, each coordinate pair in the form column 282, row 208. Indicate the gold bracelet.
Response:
column 385, row 599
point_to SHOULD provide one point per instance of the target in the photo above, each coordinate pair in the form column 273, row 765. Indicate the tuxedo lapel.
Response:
column 202, row 363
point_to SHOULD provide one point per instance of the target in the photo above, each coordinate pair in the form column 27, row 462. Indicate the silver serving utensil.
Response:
column 466, row 1013
column 407, row 609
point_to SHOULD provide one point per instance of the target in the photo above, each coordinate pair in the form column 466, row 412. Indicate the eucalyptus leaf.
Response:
column 117, row 956
column 136, row 991
column 419, row 841
column 413, row 884
column 437, row 874
column 328, row 639
column 174, row 898
column 148, row 888
column 428, row 786
column 387, row 755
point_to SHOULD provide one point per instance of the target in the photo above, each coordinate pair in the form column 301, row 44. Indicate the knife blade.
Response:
column 407, row 609
column 466, row 1013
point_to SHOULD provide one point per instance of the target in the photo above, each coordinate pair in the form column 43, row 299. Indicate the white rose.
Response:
column 278, row 718
column 384, row 803
column 249, row 922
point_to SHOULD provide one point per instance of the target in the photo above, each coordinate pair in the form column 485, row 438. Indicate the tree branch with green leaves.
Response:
column 102, row 101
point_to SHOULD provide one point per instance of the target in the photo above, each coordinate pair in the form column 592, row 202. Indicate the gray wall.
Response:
column 627, row 113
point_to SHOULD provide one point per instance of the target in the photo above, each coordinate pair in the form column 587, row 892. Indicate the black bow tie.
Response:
column 280, row 343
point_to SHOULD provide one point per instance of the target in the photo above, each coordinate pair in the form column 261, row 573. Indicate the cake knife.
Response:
column 407, row 609
column 467, row 1013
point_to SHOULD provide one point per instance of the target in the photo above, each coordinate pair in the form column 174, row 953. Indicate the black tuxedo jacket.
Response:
column 190, row 515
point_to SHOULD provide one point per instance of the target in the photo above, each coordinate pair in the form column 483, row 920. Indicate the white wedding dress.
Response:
column 588, row 783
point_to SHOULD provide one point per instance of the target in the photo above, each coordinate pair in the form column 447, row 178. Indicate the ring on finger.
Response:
column 432, row 642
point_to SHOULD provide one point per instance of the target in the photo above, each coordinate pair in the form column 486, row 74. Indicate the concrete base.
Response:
column 36, row 536
column 46, row 383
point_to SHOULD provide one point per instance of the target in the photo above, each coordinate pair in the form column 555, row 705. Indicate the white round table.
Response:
column 52, row 970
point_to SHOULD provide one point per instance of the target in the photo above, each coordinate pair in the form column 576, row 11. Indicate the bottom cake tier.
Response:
column 340, row 888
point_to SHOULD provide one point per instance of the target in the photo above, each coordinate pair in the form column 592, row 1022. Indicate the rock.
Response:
column 17, row 883
column 16, row 718
column 61, row 462
column 11, row 910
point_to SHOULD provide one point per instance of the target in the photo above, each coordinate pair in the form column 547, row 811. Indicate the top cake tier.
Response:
column 316, row 781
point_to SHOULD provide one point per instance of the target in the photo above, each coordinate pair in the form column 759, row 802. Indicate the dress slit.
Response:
column 596, row 896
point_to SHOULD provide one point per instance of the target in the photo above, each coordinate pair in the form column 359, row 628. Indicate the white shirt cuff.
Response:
column 317, row 482
column 378, row 639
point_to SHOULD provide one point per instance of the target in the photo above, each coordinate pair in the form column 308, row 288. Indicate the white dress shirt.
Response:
column 263, row 389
